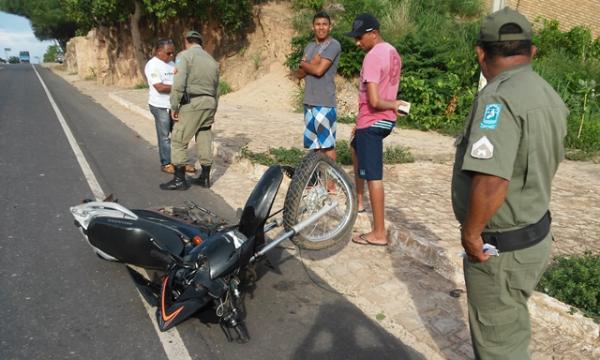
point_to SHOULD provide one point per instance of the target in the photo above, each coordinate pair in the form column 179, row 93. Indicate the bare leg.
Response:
column 330, row 153
column 376, row 195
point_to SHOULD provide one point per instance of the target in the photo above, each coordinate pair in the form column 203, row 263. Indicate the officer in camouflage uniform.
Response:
column 506, row 158
column 194, row 99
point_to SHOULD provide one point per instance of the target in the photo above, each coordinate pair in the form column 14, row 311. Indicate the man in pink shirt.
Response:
column 377, row 112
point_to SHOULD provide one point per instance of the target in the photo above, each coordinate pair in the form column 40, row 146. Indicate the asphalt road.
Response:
column 59, row 301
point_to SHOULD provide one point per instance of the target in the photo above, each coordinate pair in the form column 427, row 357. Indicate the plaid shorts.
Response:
column 319, row 132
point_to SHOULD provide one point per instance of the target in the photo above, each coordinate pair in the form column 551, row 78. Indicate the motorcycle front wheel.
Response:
column 318, row 181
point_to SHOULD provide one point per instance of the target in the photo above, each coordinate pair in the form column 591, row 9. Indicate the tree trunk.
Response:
column 136, row 37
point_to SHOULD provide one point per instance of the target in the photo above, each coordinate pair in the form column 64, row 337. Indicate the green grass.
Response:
column 141, row 86
column 274, row 156
column 397, row 155
column 346, row 119
column 224, row 88
column 292, row 156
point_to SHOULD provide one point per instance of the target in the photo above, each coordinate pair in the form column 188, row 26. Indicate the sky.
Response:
column 16, row 34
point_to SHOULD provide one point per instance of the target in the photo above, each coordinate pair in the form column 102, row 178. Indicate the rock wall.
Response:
column 265, row 48
column 105, row 55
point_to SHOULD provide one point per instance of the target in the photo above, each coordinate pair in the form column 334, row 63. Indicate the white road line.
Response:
column 170, row 340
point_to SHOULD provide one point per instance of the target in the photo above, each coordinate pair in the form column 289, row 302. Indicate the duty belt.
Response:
column 186, row 98
column 191, row 96
column 520, row 238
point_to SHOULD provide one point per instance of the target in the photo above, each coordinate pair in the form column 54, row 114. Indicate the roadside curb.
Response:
column 129, row 105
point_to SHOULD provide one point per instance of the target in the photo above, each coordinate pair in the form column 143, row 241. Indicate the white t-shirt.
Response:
column 158, row 71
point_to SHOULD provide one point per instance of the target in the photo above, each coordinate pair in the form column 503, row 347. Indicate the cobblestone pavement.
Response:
column 407, row 285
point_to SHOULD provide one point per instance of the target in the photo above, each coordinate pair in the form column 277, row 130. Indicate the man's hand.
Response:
column 317, row 66
column 316, row 59
column 299, row 74
column 474, row 248
column 175, row 115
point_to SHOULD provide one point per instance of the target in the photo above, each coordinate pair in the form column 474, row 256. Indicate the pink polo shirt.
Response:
column 381, row 65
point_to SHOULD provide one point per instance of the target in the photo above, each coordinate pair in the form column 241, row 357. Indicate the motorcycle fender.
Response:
column 171, row 313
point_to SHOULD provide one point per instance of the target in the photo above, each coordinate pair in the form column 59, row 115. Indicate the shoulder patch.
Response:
column 491, row 116
column 482, row 149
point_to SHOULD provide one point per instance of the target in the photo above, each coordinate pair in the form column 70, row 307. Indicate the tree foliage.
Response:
column 90, row 13
column 63, row 19
column 47, row 17
column 51, row 53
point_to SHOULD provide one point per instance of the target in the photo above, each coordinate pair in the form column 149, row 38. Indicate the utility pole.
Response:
column 496, row 5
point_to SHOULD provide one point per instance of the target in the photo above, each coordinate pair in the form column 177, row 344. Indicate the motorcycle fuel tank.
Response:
column 223, row 252
column 129, row 240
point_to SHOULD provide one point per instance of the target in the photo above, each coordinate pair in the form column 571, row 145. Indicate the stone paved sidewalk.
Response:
column 406, row 285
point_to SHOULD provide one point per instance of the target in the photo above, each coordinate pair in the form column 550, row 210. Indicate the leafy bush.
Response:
column 314, row 5
column 570, row 62
column 575, row 281
column 51, row 53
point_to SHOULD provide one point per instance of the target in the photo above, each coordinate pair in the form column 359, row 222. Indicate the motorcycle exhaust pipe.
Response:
column 294, row 230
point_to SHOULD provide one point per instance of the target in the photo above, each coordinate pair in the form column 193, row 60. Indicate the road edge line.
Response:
column 171, row 341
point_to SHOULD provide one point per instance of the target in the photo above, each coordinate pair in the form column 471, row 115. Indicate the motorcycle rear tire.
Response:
column 301, row 183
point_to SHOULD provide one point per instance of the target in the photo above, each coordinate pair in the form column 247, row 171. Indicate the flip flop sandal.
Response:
column 362, row 240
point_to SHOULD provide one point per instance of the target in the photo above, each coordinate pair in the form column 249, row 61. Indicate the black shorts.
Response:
column 368, row 143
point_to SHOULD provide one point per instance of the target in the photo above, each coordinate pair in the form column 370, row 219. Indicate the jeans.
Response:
column 162, row 119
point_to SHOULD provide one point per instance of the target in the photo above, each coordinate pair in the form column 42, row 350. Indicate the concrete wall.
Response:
column 569, row 13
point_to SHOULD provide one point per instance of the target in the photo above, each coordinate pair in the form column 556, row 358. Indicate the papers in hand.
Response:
column 487, row 249
column 404, row 107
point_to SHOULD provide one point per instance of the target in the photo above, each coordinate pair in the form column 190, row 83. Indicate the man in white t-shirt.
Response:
column 159, row 73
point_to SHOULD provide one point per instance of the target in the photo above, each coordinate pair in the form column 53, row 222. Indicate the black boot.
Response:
column 204, row 178
column 178, row 182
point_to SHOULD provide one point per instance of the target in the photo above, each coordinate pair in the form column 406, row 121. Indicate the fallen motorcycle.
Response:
column 201, row 260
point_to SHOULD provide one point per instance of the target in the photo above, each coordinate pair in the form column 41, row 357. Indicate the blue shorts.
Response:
column 368, row 143
column 319, row 132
